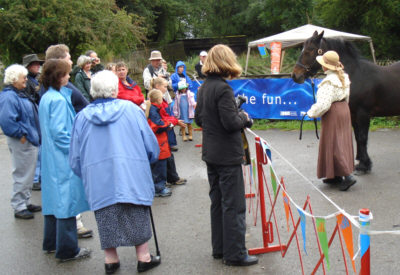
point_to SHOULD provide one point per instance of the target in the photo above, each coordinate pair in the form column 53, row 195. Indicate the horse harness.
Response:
column 308, row 68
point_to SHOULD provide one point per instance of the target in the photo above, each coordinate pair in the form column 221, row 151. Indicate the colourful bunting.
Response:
column 303, row 227
column 273, row 179
column 287, row 207
column 253, row 164
column 323, row 239
column 266, row 150
column 347, row 233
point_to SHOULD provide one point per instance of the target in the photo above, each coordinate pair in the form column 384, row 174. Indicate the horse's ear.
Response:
column 315, row 34
column 320, row 35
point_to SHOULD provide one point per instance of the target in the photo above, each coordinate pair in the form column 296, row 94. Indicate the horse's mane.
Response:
column 344, row 48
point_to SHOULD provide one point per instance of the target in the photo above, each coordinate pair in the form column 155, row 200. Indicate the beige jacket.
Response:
column 329, row 90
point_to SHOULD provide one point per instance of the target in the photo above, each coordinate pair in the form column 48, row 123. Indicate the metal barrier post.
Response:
column 267, row 229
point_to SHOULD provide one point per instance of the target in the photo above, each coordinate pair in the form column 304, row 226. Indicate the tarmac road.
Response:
column 183, row 223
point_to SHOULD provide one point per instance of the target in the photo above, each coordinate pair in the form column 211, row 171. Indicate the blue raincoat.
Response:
column 175, row 78
column 112, row 147
column 62, row 191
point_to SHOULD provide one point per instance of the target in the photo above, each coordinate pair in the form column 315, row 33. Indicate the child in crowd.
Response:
column 160, row 128
column 166, row 114
column 184, row 108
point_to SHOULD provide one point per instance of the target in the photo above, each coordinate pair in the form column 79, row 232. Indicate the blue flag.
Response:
column 303, row 227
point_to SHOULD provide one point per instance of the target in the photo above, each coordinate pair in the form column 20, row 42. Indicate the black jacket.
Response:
column 198, row 67
column 218, row 115
column 78, row 100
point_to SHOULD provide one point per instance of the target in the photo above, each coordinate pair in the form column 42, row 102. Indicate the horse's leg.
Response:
column 362, row 121
column 356, row 133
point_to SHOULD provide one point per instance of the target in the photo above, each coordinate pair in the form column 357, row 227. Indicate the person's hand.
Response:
column 23, row 140
column 181, row 123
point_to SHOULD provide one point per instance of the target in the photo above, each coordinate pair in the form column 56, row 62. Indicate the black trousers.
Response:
column 172, row 174
column 228, row 211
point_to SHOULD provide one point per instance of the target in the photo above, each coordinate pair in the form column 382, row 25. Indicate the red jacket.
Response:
column 132, row 92
column 165, row 116
column 160, row 128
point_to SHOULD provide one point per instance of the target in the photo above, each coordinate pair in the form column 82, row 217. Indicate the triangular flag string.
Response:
column 323, row 239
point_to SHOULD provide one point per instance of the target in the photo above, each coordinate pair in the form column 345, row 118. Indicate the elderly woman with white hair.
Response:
column 19, row 122
column 112, row 147
column 83, row 76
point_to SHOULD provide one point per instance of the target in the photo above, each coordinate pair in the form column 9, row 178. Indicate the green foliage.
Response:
column 31, row 26
column 378, row 19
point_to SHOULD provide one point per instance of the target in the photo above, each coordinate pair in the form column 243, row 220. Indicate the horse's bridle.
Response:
column 308, row 68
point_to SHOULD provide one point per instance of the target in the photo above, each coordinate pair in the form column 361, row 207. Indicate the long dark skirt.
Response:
column 123, row 224
column 336, row 156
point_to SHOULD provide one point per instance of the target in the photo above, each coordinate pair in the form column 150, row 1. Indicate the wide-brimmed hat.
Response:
column 330, row 60
column 28, row 59
column 155, row 55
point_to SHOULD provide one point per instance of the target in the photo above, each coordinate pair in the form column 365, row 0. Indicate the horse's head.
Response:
column 306, row 65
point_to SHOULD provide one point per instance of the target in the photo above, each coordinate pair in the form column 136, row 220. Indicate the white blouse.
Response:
column 329, row 90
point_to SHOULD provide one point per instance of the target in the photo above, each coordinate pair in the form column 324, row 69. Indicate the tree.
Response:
column 30, row 26
column 376, row 18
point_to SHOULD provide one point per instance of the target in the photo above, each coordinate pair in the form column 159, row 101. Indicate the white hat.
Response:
column 203, row 53
column 155, row 55
column 182, row 85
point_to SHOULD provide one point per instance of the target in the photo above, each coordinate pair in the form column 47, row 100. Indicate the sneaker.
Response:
column 84, row 233
column 164, row 193
column 37, row 186
column 83, row 253
column 24, row 214
column 180, row 181
column 34, row 208
column 174, row 149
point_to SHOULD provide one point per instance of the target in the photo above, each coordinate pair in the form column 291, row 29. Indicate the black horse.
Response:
column 374, row 90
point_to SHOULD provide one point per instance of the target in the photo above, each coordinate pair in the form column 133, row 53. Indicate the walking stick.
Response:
column 154, row 232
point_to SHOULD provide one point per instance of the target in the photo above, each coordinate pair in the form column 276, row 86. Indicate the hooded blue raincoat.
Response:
column 112, row 147
column 62, row 191
column 175, row 77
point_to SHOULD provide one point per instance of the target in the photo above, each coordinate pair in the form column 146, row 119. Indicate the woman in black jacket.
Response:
column 223, row 152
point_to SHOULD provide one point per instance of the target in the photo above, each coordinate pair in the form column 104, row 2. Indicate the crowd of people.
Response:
column 104, row 146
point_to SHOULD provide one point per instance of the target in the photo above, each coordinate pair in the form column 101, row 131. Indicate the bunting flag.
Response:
column 261, row 49
column 347, row 233
column 266, row 149
column 253, row 164
column 303, row 227
column 287, row 206
column 323, row 239
column 273, row 179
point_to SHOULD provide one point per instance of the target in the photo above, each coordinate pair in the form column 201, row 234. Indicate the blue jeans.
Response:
column 60, row 235
column 37, row 171
column 159, row 172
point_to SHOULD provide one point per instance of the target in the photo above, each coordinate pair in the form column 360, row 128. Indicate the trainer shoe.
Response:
column 84, row 233
column 83, row 253
column 166, row 192
column 24, row 214
column 181, row 181
column 34, row 208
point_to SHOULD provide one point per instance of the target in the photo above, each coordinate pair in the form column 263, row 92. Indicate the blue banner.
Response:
column 274, row 98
